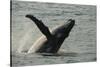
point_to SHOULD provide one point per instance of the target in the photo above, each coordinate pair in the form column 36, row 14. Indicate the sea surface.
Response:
column 80, row 46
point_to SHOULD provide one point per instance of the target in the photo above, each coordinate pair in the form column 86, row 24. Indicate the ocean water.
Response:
column 80, row 46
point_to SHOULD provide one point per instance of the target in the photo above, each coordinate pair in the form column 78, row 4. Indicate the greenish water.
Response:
column 80, row 46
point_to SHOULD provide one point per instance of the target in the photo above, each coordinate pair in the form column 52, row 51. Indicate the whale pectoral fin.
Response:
column 44, row 29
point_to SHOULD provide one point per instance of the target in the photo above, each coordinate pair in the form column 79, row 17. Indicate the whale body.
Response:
column 50, row 42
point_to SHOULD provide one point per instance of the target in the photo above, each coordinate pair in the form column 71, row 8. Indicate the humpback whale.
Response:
column 51, row 41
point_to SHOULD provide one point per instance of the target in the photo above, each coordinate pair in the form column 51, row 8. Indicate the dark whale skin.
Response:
column 55, row 38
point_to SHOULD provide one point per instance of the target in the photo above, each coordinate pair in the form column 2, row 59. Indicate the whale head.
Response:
column 68, row 26
column 64, row 30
